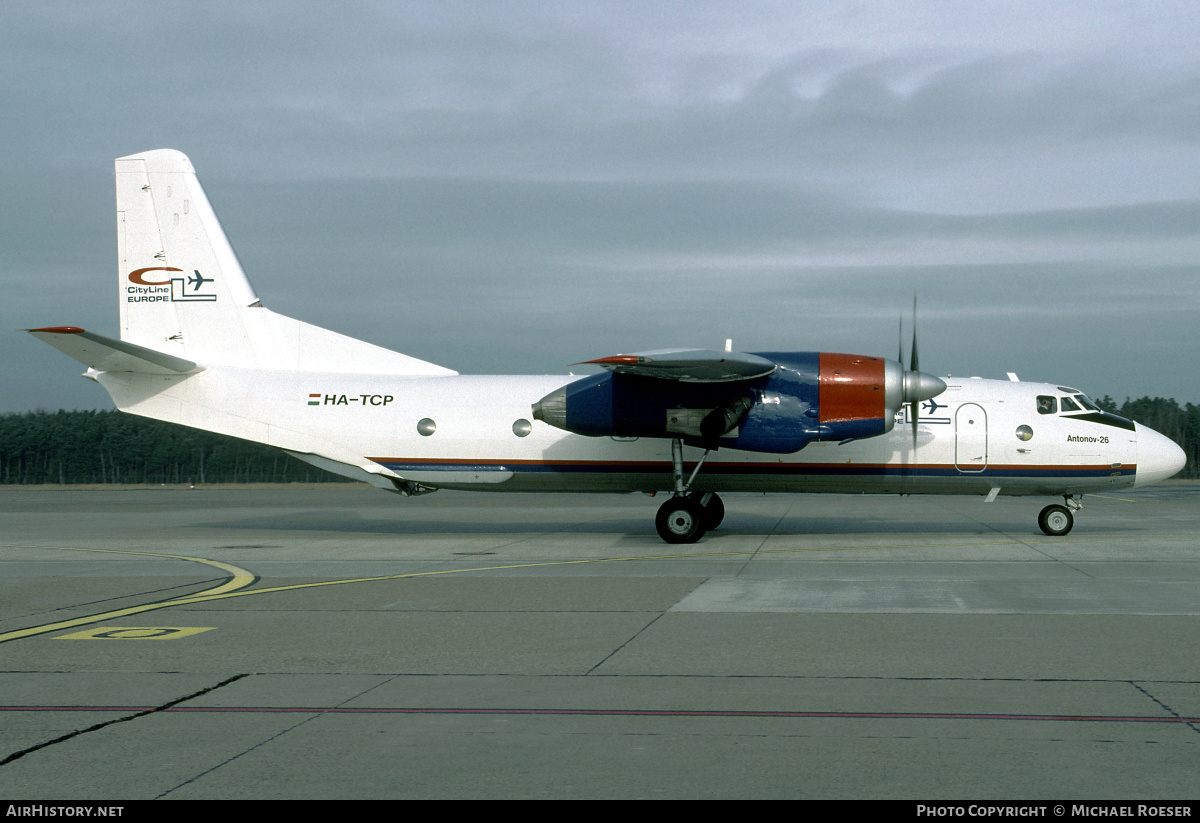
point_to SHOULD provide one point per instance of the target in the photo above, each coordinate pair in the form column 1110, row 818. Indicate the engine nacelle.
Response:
column 854, row 393
column 810, row 396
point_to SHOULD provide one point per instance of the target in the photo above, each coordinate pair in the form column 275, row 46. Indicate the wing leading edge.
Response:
column 688, row 365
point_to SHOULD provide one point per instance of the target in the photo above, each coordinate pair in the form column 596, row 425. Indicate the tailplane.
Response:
column 100, row 353
column 182, row 290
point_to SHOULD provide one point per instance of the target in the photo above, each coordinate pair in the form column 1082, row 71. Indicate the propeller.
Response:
column 917, row 385
column 915, row 406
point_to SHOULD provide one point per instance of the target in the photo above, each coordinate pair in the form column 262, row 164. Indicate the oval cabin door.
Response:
column 970, row 438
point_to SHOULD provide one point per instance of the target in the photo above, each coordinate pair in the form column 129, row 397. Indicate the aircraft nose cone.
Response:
column 1158, row 456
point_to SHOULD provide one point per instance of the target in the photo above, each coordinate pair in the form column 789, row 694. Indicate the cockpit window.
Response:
column 1086, row 403
column 1047, row 404
column 1069, row 405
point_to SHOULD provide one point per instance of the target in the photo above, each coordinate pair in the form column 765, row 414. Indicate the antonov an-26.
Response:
column 198, row 348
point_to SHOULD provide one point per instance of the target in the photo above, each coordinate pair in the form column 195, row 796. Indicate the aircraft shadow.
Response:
column 634, row 524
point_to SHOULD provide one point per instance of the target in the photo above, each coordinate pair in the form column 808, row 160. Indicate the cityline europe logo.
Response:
column 171, row 290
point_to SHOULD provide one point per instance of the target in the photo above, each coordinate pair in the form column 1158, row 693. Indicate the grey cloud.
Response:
column 510, row 187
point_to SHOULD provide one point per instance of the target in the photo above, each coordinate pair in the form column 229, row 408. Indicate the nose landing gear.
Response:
column 1057, row 520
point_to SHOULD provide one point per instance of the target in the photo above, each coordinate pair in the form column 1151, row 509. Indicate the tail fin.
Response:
column 182, row 290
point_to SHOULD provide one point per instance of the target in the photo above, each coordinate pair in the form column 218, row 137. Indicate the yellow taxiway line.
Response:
column 239, row 578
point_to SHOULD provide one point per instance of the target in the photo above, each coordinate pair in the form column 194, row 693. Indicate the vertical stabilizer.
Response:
column 182, row 290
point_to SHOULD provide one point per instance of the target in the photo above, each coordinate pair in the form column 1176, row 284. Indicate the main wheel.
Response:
column 680, row 520
column 1056, row 520
column 714, row 510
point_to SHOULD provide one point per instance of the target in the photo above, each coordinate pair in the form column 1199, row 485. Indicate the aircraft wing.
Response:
column 688, row 365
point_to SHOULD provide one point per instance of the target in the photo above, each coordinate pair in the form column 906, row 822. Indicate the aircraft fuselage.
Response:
column 968, row 440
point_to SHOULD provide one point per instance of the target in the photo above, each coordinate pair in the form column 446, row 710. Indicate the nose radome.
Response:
column 1158, row 456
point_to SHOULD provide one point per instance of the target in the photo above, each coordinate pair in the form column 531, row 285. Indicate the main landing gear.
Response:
column 1057, row 520
column 688, row 514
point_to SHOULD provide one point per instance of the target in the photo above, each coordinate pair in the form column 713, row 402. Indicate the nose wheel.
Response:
column 1058, row 520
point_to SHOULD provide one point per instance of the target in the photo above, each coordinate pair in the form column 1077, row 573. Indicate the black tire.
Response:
column 1056, row 520
column 680, row 520
column 714, row 511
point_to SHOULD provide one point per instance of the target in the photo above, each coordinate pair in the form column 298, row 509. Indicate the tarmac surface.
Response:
column 339, row 642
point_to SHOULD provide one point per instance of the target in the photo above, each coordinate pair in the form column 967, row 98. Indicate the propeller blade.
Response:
column 913, row 366
column 917, row 386
column 915, row 406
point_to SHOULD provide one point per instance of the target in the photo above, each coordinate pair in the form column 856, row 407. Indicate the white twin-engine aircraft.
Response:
column 198, row 348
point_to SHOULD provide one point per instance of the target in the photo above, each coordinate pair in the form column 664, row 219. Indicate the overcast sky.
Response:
column 514, row 187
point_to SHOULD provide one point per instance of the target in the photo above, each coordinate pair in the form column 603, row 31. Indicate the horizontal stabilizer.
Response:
column 106, row 354
column 688, row 365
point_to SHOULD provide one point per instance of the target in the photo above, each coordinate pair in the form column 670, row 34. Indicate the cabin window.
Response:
column 426, row 427
column 522, row 428
column 1024, row 433
column 1047, row 404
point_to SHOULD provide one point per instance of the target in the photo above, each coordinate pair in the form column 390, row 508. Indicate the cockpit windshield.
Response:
column 1074, row 406
column 1049, row 404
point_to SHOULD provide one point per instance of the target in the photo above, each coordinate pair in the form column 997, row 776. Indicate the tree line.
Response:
column 1165, row 416
column 70, row 447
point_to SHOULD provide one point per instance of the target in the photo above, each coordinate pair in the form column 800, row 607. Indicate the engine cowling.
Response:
column 810, row 396
column 860, row 395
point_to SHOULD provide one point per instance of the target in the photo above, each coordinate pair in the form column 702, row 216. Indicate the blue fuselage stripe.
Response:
column 772, row 469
